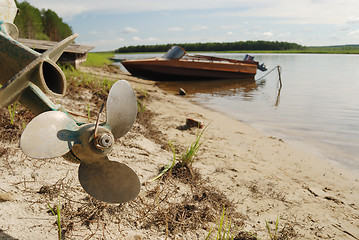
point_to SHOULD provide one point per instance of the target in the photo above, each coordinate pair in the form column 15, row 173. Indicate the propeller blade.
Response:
column 121, row 108
column 108, row 181
column 50, row 134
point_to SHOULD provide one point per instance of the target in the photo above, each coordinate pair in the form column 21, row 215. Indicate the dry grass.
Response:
column 179, row 202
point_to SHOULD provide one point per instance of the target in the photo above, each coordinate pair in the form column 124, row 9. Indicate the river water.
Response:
column 316, row 110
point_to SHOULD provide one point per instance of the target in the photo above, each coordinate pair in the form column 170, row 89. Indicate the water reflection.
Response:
column 316, row 110
column 220, row 87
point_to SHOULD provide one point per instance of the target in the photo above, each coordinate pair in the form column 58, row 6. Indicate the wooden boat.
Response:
column 176, row 64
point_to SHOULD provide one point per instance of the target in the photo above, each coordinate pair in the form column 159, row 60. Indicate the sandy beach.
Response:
column 258, row 177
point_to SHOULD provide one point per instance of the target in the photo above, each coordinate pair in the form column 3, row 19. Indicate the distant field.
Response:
column 319, row 50
column 98, row 59
column 338, row 50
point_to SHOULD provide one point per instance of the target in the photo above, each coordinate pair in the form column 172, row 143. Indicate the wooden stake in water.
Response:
column 279, row 75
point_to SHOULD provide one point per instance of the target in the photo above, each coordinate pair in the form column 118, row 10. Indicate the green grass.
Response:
column 82, row 79
column 57, row 213
column 169, row 166
column 12, row 112
column 188, row 157
column 224, row 229
column 273, row 235
column 98, row 59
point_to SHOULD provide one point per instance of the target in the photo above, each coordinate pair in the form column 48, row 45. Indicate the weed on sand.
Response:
column 177, row 203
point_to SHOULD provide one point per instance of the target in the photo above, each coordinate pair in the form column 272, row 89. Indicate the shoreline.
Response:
column 236, row 153
column 309, row 145
column 265, row 178
column 286, row 180
column 295, row 183
column 295, row 141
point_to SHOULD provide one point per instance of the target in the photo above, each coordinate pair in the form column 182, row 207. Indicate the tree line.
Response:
column 41, row 25
column 225, row 46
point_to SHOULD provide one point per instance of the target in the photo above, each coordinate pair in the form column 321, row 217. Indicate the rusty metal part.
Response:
column 20, row 67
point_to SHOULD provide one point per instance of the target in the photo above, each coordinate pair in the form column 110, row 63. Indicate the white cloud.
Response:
column 70, row 8
column 129, row 30
column 152, row 39
column 225, row 27
column 104, row 44
column 342, row 27
column 295, row 12
column 175, row 29
column 268, row 34
column 304, row 11
column 248, row 20
column 354, row 33
column 353, row 19
column 199, row 28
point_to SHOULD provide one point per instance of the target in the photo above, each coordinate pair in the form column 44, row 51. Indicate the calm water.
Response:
column 316, row 110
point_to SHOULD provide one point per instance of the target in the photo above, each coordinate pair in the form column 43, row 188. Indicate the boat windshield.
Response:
column 175, row 52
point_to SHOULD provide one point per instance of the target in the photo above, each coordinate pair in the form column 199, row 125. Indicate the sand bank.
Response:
column 264, row 177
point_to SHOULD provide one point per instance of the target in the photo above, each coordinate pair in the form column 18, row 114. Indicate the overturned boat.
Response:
column 176, row 64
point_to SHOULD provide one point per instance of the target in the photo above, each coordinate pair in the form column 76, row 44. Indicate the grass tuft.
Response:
column 224, row 226
column 12, row 112
column 273, row 236
column 57, row 213
column 188, row 157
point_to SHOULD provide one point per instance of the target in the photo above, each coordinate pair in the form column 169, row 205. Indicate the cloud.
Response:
column 153, row 39
column 304, row 11
column 225, row 27
column 129, row 30
column 342, row 27
column 137, row 39
column 175, row 29
column 198, row 28
column 268, row 34
column 354, row 33
column 102, row 44
column 352, row 19
column 70, row 8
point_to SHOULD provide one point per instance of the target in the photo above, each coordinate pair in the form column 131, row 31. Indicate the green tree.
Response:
column 215, row 46
column 42, row 25
column 29, row 22
column 55, row 28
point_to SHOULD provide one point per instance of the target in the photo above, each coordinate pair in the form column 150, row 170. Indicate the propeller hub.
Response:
column 104, row 141
column 90, row 147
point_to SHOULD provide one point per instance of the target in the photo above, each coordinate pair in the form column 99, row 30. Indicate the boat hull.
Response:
column 162, row 69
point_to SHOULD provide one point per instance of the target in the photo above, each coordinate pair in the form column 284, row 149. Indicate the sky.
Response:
column 111, row 24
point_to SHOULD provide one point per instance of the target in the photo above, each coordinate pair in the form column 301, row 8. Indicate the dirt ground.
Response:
column 259, row 180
